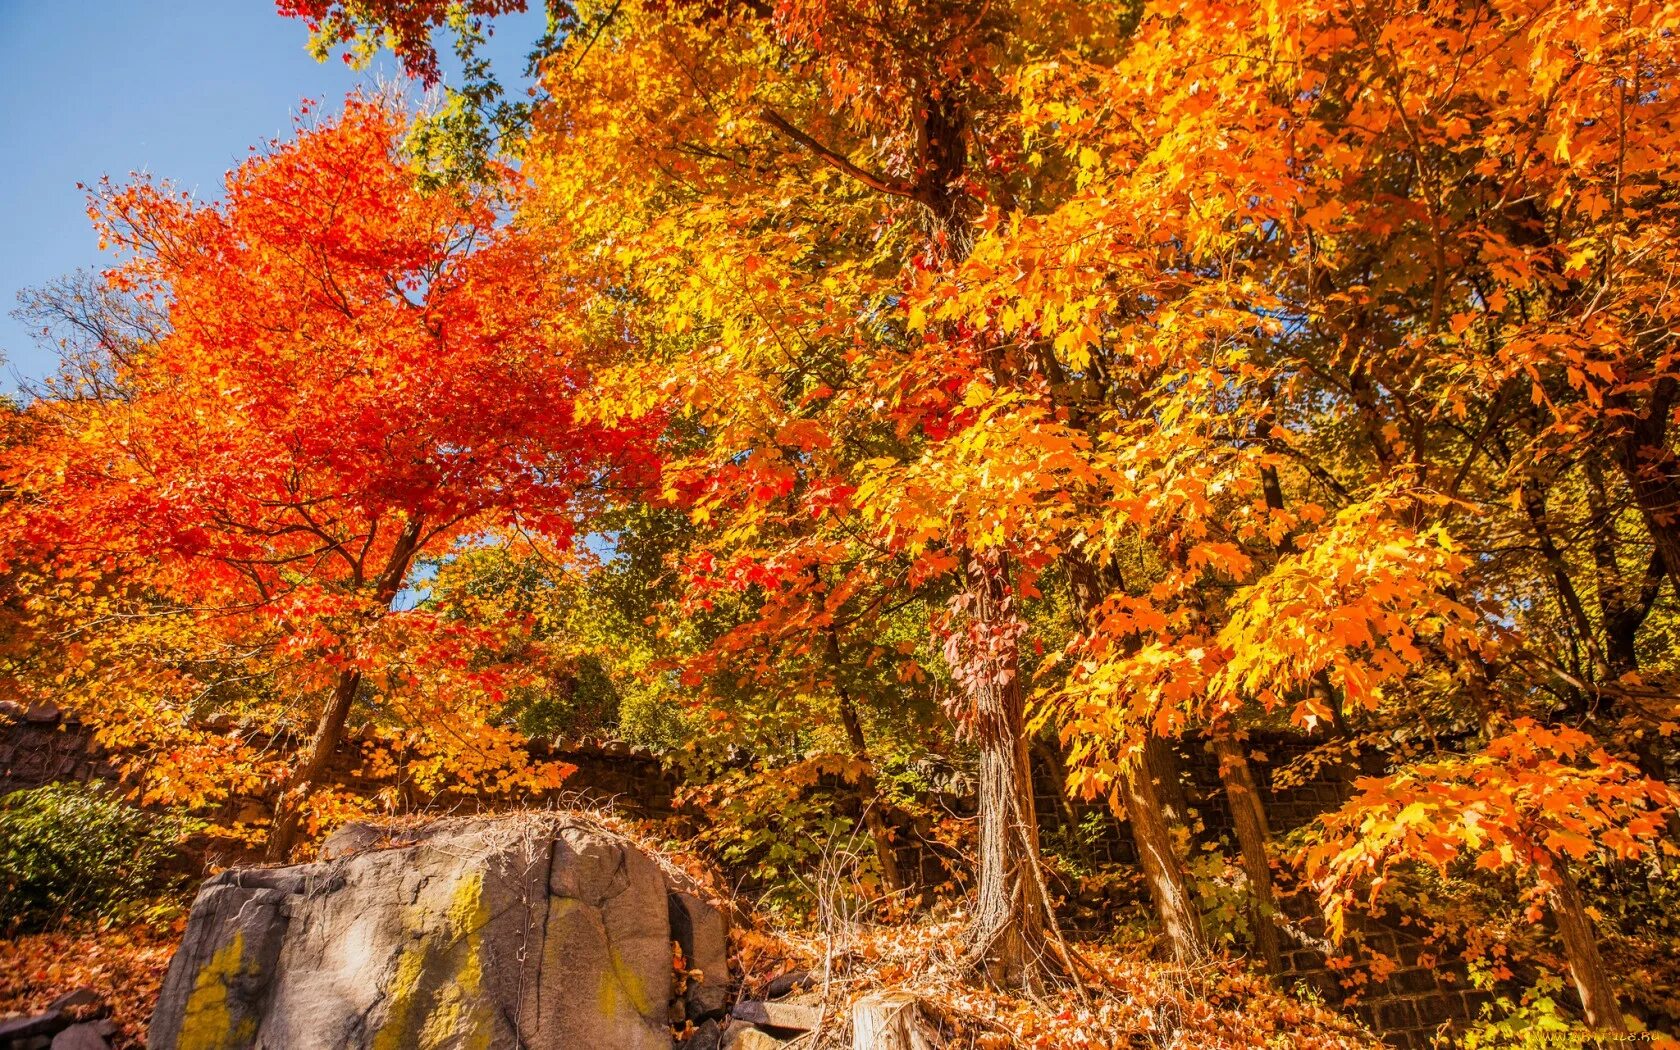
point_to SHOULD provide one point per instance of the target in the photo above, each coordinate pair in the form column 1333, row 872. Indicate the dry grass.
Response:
column 1129, row 998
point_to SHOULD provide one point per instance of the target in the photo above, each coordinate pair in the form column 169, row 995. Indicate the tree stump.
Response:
column 891, row 1021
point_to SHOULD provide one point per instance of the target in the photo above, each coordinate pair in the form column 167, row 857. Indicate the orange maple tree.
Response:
column 356, row 374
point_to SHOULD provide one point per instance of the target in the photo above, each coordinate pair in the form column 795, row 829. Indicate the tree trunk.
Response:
column 329, row 732
column 1580, row 946
column 329, row 728
column 1010, row 915
column 868, row 788
column 1248, row 819
column 1162, row 868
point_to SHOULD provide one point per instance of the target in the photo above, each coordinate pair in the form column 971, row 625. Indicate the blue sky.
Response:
column 176, row 88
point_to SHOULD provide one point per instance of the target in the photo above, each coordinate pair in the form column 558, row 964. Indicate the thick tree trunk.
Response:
column 1168, row 769
column 1010, row 916
column 1248, row 819
column 329, row 733
column 1580, row 946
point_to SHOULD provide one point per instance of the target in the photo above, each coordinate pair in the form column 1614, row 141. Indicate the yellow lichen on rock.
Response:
column 458, row 1017
column 620, row 986
column 209, row 1023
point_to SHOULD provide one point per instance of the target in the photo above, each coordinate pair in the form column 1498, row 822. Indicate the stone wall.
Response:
column 41, row 747
column 44, row 746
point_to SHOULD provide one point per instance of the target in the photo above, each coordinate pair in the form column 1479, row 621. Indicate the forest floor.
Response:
column 1130, row 999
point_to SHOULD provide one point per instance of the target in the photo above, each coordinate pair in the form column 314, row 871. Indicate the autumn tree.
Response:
column 1322, row 355
column 773, row 235
column 1324, row 351
column 1534, row 800
column 355, row 372
column 777, row 243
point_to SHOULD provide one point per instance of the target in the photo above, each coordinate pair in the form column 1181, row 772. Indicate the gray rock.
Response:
column 73, row 998
column 221, row 976
column 707, row 1036
column 81, row 1037
column 531, row 932
column 17, row 1030
column 787, row 1014
column 703, row 934
column 45, row 713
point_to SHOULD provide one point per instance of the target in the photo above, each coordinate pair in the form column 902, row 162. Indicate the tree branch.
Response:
column 833, row 159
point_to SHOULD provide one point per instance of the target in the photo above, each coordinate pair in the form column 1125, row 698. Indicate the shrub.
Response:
column 70, row 851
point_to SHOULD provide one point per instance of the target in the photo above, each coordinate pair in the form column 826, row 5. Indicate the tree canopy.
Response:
column 864, row 391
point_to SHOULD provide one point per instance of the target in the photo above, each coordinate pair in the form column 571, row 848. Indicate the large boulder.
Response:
column 531, row 932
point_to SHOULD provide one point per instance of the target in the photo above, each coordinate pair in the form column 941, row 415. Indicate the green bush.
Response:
column 73, row 851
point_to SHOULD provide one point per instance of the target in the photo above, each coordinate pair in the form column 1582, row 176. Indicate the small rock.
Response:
column 17, row 1029
column 12, row 709
column 746, row 1037
column 783, row 986
column 73, row 998
column 45, row 713
column 709, row 1036
column 81, row 1037
column 798, row 1017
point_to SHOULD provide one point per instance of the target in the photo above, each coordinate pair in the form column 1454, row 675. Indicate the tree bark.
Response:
column 1011, row 912
column 1580, row 946
column 1163, row 870
column 891, row 1021
column 1248, row 819
column 1168, row 771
